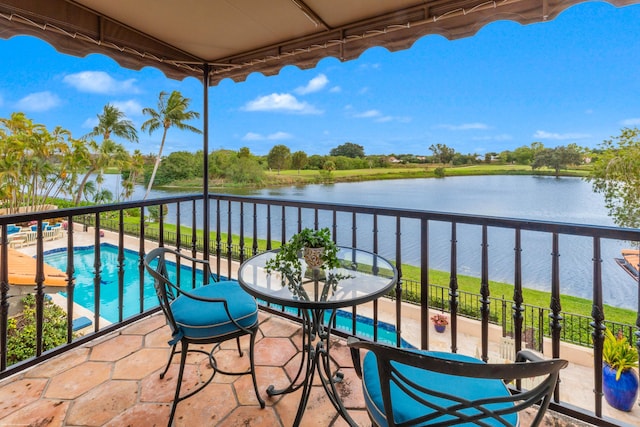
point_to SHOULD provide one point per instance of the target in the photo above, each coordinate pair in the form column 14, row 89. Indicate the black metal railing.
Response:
column 243, row 226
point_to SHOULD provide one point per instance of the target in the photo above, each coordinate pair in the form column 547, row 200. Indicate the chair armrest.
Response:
column 352, row 342
column 206, row 265
column 528, row 356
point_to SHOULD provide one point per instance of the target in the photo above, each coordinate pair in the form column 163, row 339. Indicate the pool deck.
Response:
column 128, row 362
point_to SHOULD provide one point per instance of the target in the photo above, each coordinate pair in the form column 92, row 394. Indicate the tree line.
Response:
column 37, row 164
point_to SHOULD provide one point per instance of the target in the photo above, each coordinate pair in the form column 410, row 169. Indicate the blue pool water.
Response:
column 84, row 290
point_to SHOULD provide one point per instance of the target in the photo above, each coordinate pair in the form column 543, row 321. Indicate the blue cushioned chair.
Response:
column 405, row 387
column 201, row 314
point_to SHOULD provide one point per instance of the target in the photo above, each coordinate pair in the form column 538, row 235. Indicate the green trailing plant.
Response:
column 287, row 259
column 618, row 353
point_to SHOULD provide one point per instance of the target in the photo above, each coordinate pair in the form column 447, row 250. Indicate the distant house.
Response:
column 392, row 159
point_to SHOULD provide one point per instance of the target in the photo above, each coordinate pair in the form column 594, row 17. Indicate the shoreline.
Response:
column 287, row 178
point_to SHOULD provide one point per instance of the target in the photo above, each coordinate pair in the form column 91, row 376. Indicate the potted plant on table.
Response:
column 619, row 379
column 315, row 246
column 440, row 322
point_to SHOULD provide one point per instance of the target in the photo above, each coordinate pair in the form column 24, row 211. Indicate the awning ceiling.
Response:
column 238, row 37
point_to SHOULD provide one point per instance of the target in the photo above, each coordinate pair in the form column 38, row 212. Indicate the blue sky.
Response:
column 575, row 79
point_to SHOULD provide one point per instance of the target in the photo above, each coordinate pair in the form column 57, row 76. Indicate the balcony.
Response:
column 118, row 359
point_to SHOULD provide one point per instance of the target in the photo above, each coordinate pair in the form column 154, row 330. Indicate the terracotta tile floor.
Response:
column 114, row 381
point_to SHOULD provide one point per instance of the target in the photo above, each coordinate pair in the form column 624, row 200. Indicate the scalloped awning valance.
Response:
column 234, row 38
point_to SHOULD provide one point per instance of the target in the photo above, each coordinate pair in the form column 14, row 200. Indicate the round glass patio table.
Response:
column 362, row 277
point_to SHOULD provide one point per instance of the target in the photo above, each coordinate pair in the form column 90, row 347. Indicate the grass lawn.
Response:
column 294, row 177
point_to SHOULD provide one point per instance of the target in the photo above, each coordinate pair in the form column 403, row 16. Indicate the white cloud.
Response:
column 99, row 82
column 315, row 84
column 377, row 116
column 368, row 114
column 630, row 122
column 90, row 123
column 335, row 89
column 39, row 101
column 368, row 66
column 280, row 102
column 252, row 136
column 279, row 135
column 276, row 136
column 541, row 134
column 464, row 126
column 129, row 108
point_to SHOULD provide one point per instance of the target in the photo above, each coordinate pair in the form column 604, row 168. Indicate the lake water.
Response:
column 569, row 200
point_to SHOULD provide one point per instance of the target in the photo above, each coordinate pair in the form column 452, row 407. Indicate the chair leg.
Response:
column 176, row 399
column 239, row 348
column 253, row 368
column 166, row 368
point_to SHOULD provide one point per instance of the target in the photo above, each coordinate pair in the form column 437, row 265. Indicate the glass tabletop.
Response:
column 362, row 276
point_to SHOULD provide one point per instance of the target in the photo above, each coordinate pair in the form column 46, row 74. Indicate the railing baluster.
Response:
column 517, row 293
column 161, row 225
column 424, row 284
column 375, row 302
column 178, row 228
column 194, row 240
column 39, row 281
column 283, row 225
column 229, row 238
column 97, row 275
column 637, row 332
column 70, row 278
column 141, row 254
column 556, row 319
column 4, row 297
column 241, row 243
column 485, row 293
column 254, row 249
column 121, row 267
column 269, row 227
column 597, row 314
column 399, row 283
column 453, row 288
column 194, row 230
column 354, row 244
column 218, row 239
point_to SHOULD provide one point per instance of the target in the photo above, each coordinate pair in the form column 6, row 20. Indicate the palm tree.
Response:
column 172, row 111
column 112, row 121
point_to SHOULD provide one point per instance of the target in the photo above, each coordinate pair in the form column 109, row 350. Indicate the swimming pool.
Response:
column 84, row 294
column 84, row 290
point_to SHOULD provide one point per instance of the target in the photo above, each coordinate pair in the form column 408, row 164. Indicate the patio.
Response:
column 114, row 381
column 112, row 377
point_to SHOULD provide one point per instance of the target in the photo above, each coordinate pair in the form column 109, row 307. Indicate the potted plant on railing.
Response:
column 316, row 247
column 619, row 379
column 440, row 322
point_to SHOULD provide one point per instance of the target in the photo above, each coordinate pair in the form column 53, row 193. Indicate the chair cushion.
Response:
column 406, row 408
column 202, row 320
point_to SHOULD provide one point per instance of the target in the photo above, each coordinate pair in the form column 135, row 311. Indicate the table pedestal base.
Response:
column 315, row 359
